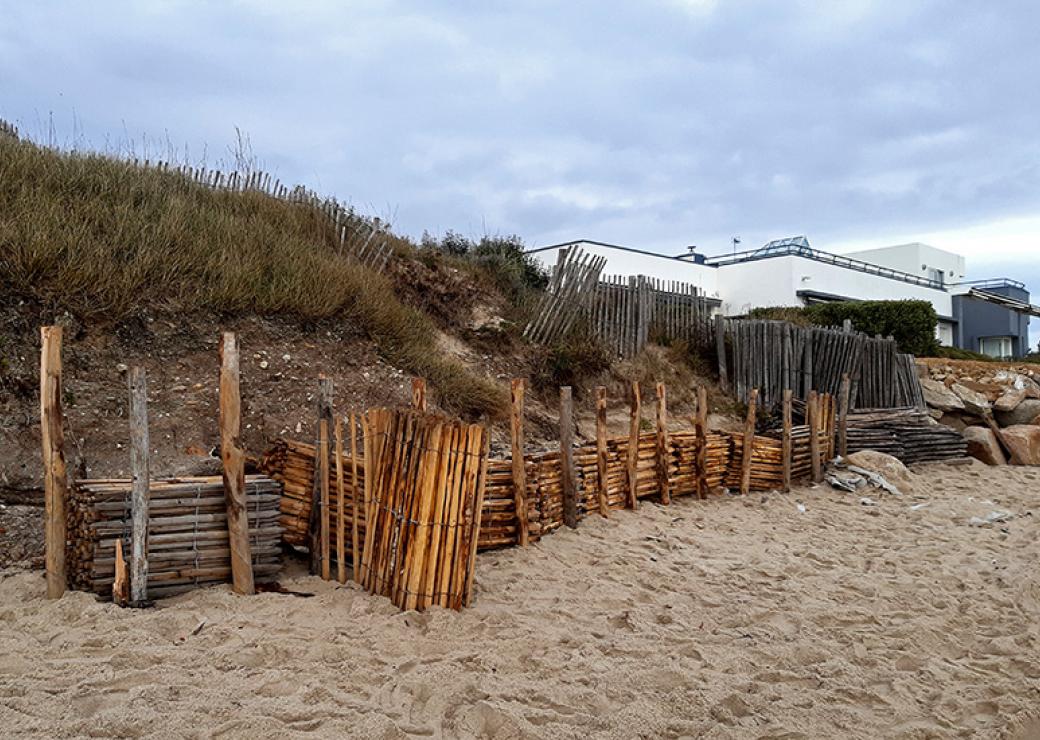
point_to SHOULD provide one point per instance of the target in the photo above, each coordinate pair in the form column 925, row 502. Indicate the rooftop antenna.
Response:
column 691, row 248
column 736, row 241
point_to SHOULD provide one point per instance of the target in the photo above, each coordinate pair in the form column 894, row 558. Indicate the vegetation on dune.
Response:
column 103, row 238
column 911, row 323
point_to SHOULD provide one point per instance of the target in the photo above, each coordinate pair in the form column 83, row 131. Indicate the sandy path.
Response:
column 727, row 618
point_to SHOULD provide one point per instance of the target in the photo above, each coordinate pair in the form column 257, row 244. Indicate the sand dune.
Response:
column 727, row 618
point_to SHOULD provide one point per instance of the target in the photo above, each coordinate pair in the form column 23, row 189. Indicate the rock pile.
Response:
column 997, row 408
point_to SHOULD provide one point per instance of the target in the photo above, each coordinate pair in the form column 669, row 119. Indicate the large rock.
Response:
column 974, row 402
column 1023, row 442
column 1024, row 413
column 983, row 445
column 1009, row 400
column 888, row 467
column 938, row 396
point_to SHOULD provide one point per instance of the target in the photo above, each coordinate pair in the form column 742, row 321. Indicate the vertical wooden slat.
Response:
column 317, row 517
column 139, row 485
column 519, row 472
column 601, row 450
column 355, row 500
column 785, row 440
column 701, row 422
column 720, row 350
column 323, row 482
column 664, row 481
column 843, row 416
column 635, row 419
column 233, row 457
column 749, row 443
column 341, row 507
column 55, row 483
column 569, row 483
column 813, row 413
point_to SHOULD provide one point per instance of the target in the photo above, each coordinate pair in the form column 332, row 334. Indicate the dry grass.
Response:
column 101, row 238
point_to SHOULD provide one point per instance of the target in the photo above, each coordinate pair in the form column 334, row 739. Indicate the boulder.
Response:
column 888, row 467
column 953, row 421
column 990, row 390
column 1023, row 442
column 974, row 402
column 983, row 445
column 1024, row 413
column 1009, row 400
column 938, row 396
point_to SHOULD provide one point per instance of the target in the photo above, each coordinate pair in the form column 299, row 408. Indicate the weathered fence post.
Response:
column 812, row 407
column 341, row 520
column 55, row 483
column 749, row 443
column 843, row 417
column 664, row 482
column 419, row 394
column 601, row 450
column 635, row 420
column 323, row 482
column 720, row 350
column 355, row 549
column 317, row 517
column 519, row 472
column 785, row 440
column 139, row 485
column 702, row 442
column 570, row 484
column 233, row 457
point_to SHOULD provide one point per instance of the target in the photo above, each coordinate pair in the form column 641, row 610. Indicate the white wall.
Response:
column 625, row 262
column 777, row 280
column 915, row 258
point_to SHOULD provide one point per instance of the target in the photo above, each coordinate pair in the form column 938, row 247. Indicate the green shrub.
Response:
column 955, row 353
column 570, row 361
column 911, row 323
column 500, row 259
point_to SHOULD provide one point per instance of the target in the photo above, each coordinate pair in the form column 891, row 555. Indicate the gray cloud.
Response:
column 654, row 124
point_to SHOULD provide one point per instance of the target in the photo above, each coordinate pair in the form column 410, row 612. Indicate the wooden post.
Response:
column 419, row 394
column 785, row 440
column 355, row 550
column 519, row 471
column 664, row 482
column 139, row 485
column 55, row 483
column 570, row 485
column 749, row 443
column 701, row 424
column 341, row 507
column 720, row 350
column 812, row 414
column 233, row 457
column 317, row 517
column 635, row 420
column 323, row 478
column 843, row 417
column 601, row 450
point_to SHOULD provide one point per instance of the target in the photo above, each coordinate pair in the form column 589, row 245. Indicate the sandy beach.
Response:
column 731, row 618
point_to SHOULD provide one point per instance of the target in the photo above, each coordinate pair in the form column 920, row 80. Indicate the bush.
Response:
column 102, row 239
column 911, row 323
column 501, row 259
column 570, row 361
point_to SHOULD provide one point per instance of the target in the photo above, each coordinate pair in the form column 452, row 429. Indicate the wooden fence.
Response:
column 773, row 356
column 361, row 238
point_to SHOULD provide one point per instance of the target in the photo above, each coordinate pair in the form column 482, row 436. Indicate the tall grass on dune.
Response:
column 101, row 237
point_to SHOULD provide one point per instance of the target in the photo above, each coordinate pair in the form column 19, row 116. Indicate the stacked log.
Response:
column 684, row 461
column 499, row 526
column 187, row 526
column 586, row 462
column 907, row 433
column 292, row 463
column 767, row 471
column 423, row 499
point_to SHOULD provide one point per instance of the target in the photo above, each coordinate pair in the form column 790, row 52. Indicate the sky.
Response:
column 652, row 124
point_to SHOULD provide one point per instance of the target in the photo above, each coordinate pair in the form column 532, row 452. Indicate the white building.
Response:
column 789, row 272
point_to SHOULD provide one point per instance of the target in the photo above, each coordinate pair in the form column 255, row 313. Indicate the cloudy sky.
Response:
column 653, row 124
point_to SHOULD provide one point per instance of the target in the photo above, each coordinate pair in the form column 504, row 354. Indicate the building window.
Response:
column 995, row 346
column 937, row 275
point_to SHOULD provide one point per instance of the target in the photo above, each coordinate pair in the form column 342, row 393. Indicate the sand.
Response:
column 727, row 618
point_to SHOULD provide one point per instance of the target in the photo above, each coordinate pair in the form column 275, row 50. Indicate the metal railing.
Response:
column 994, row 283
column 754, row 255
